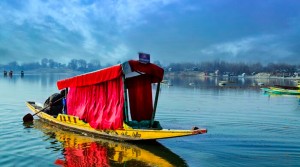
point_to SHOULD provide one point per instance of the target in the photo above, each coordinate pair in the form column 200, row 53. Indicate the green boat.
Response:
column 281, row 91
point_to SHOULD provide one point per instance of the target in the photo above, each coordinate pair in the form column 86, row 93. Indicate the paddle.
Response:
column 29, row 118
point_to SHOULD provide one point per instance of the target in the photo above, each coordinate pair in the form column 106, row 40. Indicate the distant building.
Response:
column 217, row 72
column 263, row 75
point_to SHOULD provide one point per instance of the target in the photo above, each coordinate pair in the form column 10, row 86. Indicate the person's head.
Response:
column 63, row 92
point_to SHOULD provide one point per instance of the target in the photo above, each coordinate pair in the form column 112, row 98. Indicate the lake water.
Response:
column 245, row 127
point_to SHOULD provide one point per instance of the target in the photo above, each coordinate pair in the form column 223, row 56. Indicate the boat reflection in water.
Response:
column 79, row 150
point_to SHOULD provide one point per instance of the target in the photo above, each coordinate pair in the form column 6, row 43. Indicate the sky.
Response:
column 171, row 31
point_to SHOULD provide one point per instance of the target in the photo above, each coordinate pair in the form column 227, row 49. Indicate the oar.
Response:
column 29, row 118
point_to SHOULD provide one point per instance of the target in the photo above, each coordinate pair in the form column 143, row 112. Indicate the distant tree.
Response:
column 13, row 66
column 44, row 62
column 30, row 66
column 51, row 63
column 81, row 65
column 94, row 65
column 176, row 67
column 256, row 67
column 60, row 65
column 207, row 67
column 73, row 64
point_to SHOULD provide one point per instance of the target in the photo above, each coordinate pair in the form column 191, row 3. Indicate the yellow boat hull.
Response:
column 126, row 134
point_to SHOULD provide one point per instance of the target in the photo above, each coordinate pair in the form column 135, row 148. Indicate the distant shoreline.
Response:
column 201, row 74
column 46, row 71
column 43, row 71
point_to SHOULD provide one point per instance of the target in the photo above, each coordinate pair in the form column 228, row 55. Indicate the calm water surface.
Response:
column 245, row 127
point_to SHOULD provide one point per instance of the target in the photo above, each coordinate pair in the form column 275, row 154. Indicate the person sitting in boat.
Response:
column 54, row 103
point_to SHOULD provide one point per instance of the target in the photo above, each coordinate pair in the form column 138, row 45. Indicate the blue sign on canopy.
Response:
column 144, row 58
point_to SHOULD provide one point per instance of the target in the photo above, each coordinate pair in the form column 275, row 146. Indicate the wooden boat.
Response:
column 114, row 102
column 282, row 89
column 277, row 90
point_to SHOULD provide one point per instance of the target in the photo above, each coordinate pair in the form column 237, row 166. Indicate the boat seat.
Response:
column 144, row 124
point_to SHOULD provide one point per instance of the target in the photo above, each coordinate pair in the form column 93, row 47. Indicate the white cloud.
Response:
column 119, row 52
column 234, row 48
column 265, row 48
column 114, row 29
column 131, row 12
column 100, row 23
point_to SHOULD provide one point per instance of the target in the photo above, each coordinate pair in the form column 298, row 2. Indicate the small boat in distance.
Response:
column 4, row 73
column 281, row 89
column 10, row 73
column 115, row 102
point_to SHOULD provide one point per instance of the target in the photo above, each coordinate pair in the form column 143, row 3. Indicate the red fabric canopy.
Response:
column 155, row 72
column 98, row 97
column 99, row 76
column 140, row 89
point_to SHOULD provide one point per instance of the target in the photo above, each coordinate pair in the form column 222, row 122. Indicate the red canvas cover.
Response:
column 155, row 72
column 140, row 97
column 101, row 105
column 98, row 97
column 140, row 89
column 91, row 78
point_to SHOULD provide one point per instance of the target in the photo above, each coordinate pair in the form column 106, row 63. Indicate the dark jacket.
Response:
column 55, row 104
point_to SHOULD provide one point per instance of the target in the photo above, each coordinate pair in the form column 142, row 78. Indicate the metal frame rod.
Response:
column 125, row 100
column 155, row 104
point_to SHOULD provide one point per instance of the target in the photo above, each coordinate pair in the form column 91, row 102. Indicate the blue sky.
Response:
column 170, row 30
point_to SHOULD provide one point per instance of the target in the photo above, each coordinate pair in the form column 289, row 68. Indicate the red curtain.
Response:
column 100, row 105
column 140, row 97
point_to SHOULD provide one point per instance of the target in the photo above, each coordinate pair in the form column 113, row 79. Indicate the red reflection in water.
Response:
column 91, row 155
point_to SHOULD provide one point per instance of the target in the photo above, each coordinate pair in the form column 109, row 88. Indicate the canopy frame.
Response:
column 151, row 74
